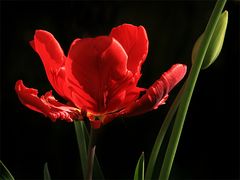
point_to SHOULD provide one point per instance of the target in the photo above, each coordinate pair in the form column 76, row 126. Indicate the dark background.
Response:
column 209, row 145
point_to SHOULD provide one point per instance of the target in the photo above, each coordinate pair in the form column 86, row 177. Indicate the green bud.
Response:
column 215, row 44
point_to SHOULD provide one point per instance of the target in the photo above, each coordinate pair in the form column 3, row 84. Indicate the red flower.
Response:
column 98, row 77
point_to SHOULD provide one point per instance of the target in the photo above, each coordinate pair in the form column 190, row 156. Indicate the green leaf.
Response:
column 46, row 172
column 139, row 171
column 187, row 94
column 216, row 42
column 161, row 134
column 97, row 170
column 83, row 141
column 4, row 172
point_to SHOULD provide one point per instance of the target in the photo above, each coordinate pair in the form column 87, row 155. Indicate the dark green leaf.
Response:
column 187, row 94
column 4, row 172
column 152, row 163
column 97, row 171
column 46, row 172
column 139, row 171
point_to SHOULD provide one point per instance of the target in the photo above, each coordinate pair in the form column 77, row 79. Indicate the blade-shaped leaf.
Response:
column 46, row 173
column 186, row 97
column 97, row 171
column 139, row 171
column 161, row 134
column 4, row 172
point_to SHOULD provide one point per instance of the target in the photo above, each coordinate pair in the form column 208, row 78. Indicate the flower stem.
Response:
column 190, row 84
column 82, row 140
column 91, row 154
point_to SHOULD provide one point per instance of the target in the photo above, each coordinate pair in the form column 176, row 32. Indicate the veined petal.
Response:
column 155, row 96
column 123, row 93
column 46, row 104
column 53, row 59
column 134, row 40
column 98, row 66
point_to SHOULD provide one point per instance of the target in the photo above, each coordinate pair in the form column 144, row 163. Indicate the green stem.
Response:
column 91, row 154
column 82, row 145
column 161, row 134
column 190, row 84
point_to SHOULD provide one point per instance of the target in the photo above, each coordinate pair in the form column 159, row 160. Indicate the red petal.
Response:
column 98, row 67
column 53, row 59
column 46, row 104
column 123, row 93
column 157, row 94
column 135, row 42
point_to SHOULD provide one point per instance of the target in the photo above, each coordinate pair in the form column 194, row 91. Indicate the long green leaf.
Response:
column 161, row 135
column 97, row 170
column 4, row 172
column 190, row 84
column 46, row 172
column 83, row 141
column 139, row 171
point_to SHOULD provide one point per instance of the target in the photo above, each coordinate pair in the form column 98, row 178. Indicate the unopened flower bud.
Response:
column 215, row 44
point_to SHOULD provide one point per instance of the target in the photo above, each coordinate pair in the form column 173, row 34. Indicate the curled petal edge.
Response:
column 155, row 96
column 46, row 104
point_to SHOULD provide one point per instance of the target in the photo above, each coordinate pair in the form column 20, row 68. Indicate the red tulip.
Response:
column 98, row 77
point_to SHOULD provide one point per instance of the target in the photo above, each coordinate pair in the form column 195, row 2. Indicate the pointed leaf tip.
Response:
column 46, row 173
column 139, row 171
column 4, row 172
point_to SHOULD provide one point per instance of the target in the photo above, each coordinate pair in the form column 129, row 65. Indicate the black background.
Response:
column 209, row 145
